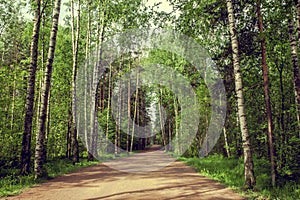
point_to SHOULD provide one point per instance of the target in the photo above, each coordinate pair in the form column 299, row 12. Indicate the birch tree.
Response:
column 128, row 111
column 87, row 62
column 135, row 110
column 248, row 161
column 267, row 93
column 26, row 142
column 39, row 168
column 75, row 40
column 95, row 79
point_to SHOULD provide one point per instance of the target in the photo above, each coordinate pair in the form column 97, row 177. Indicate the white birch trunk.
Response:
column 248, row 162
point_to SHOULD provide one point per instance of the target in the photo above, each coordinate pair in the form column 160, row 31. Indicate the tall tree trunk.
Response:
column 177, row 142
column 13, row 104
column 206, row 140
column 238, row 138
column 141, row 118
column 38, row 106
column 26, row 142
column 120, row 110
column 128, row 112
column 69, row 135
column 170, row 136
column 39, row 168
column 118, row 121
column 75, row 43
column 161, row 119
column 95, row 78
column 138, row 118
column 135, row 109
column 248, row 162
column 41, row 79
column 108, row 107
column 116, row 134
column 226, row 142
column 93, row 90
column 294, row 52
column 47, row 130
column 267, row 94
column 12, row 118
column 86, row 79
column 282, row 118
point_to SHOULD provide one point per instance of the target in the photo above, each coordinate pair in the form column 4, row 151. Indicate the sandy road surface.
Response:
column 176, row 181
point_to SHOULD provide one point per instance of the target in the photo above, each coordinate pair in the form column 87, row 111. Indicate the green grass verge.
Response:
column 11, row 183
column 230, row 173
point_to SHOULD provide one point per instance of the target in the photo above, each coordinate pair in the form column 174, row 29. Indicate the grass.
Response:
column 65, row 166
column 12, row 184
column 230, row 173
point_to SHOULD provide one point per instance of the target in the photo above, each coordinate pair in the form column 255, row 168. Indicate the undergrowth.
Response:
column 230, row 173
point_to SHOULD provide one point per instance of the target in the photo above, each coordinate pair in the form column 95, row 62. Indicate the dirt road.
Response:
column 176, row 181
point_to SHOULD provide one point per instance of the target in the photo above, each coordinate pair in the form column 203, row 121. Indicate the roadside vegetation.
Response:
column 11, row 183
column 230, row 172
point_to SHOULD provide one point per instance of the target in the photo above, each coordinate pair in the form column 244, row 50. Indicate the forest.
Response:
column 77, row 87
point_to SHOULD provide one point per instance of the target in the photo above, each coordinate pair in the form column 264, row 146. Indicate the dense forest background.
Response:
column 254, row 45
